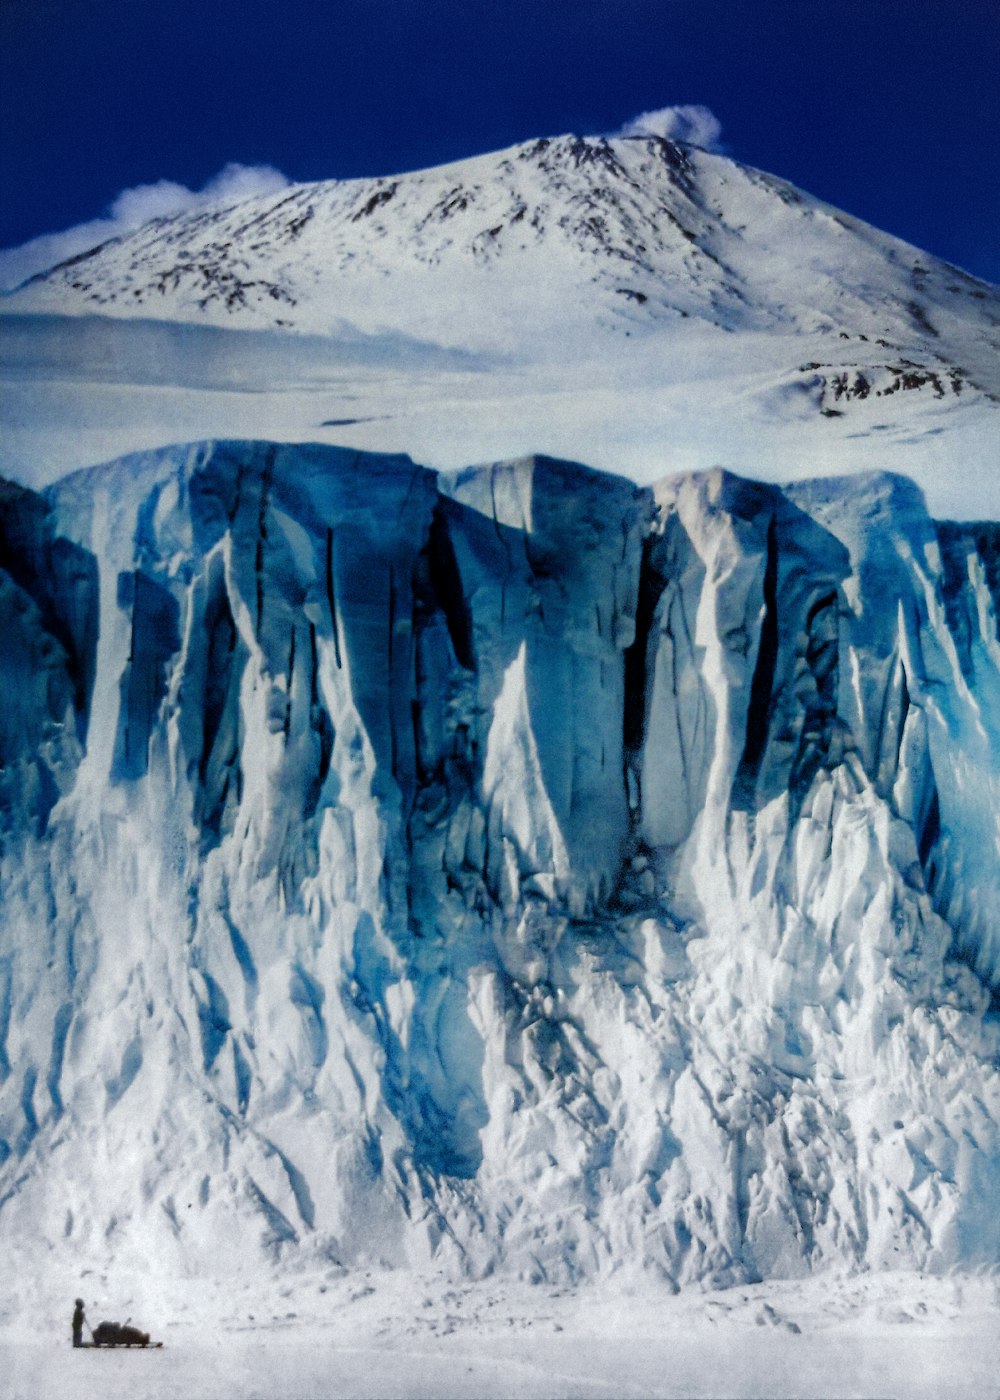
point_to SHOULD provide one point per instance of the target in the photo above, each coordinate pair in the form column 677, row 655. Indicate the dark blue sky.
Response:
column 888, row 108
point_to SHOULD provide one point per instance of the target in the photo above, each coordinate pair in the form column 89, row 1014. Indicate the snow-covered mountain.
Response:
column 647, row 228
column 629, row 301
column 515, row 868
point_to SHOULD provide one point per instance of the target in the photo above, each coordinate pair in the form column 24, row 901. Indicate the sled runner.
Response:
column 111, row 1346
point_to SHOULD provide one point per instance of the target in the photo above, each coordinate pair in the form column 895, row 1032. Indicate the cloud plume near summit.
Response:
column 130, row 210
column 691, row 123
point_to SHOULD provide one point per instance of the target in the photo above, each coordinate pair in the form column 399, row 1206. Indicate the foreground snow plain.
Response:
column 371, row 1334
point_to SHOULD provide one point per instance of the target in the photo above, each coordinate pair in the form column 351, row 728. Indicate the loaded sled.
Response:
column 119, row 1334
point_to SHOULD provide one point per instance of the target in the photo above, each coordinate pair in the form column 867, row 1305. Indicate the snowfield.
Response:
column 371, row 1335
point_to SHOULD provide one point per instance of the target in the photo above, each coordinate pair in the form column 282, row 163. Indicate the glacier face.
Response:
column 518, row 868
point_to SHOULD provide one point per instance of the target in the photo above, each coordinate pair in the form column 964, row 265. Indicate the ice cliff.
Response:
column 518, row 868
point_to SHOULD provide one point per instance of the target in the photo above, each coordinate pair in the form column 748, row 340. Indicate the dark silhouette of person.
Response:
column 78, row 1323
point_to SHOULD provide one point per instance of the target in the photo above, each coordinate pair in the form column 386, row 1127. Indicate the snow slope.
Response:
column 517, row 870
column 632, row 301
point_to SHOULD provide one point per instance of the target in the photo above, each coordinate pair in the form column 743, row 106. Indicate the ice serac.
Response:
column 793, row 632
column 515, row 868
column 801, row 665
column 547, row 556
column 224, row 855
column 48, row 635
column 923, row 698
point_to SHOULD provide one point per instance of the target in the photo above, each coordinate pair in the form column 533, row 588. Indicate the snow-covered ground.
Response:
column 374, row 1335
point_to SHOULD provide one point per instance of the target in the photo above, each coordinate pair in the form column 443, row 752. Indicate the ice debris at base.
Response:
column 519, row 869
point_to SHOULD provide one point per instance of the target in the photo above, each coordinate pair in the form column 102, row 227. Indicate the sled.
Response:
column 118, row 1346
column 119, row 1334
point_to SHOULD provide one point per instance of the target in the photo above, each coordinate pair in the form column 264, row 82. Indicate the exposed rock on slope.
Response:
column 517, row 866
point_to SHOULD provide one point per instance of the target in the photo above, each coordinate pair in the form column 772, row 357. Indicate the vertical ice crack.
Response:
column 650, row 590
column 759, row 710
column 331, row 596
column 265, row 497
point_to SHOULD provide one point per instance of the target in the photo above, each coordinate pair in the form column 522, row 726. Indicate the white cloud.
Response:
column 692, row 124
column 130, row 210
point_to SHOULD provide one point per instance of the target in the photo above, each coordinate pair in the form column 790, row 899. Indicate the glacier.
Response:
column 512, row 869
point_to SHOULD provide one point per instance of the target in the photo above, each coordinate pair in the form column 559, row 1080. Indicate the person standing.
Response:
column 78, row 1323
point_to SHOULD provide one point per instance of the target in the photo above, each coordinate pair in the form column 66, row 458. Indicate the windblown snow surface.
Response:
column 453, row 913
